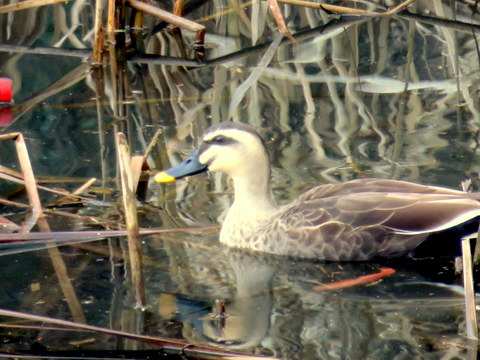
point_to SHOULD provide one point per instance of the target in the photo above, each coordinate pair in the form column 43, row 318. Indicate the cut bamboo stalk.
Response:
column 84, row 187
column 470, row 305
column 28, row 176
column 130, row 207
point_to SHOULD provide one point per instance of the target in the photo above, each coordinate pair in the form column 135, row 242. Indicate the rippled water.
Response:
column 391, row 97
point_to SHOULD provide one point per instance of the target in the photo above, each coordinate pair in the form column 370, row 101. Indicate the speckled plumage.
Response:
column 357, row 220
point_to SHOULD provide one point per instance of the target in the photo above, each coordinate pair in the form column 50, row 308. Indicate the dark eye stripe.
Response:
column 220, row 140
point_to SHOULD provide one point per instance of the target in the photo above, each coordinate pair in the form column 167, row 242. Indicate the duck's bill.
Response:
column 188, row 167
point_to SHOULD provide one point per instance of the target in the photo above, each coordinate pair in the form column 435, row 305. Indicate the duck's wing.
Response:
column 360, row 220
column 377, row 186
column 404, row 213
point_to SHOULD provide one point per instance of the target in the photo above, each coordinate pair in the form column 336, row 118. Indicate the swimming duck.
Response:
column 357, row 220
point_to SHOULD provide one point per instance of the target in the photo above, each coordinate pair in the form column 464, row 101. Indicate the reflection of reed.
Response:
column 365, row 139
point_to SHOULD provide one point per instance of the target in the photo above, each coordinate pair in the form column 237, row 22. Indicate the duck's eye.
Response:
column 219, row 139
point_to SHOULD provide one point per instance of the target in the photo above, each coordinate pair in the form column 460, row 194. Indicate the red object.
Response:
column 5, row 116
column 358, row 281
column 5, row 90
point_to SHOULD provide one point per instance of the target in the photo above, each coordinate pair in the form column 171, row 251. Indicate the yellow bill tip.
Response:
column 163, row 177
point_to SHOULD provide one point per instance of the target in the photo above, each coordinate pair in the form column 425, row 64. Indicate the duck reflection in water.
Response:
column 275, row 310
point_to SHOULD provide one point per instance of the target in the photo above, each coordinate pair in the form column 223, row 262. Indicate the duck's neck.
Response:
column 253, row 194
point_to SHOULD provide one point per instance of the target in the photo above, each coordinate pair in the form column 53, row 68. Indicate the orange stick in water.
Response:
column 354, row 282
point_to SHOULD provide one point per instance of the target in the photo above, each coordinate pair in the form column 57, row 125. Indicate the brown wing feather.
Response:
column 362, row 219
column 433, row 215
column 377, row 186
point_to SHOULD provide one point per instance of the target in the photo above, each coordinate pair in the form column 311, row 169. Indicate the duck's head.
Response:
column 233, row 148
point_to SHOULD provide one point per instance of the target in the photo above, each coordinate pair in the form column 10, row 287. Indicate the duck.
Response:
column 357, row 220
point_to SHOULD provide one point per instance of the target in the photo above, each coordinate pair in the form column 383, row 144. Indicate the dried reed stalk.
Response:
column 130, row 207
column 14, row 203
column 78, row 191
column 335, row 9
column 8, row 171
column 111, row 24
column 28, row 4
column 170, row 18
column 98, row 43
column 166, row 16
column 34, row 200
column 53, row 191
column 152, row 144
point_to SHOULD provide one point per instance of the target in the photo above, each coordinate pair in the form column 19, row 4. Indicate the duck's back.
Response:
column 364, row 219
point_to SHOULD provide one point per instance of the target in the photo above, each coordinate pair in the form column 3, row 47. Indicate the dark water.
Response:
column 389, row 97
